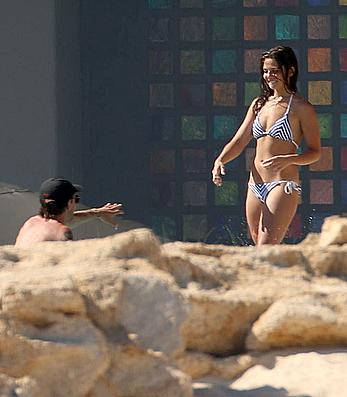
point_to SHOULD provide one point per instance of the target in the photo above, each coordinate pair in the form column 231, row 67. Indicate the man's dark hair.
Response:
column 51, row 208
column 55, row 193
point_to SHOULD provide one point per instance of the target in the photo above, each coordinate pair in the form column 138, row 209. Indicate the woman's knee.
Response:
column 270, row 235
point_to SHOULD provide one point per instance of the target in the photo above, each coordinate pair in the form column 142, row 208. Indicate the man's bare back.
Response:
column 37, row 229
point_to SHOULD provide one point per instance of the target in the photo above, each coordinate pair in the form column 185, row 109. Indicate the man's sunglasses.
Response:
column 77, row 198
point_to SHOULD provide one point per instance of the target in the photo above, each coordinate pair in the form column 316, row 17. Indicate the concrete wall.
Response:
column 69, row 144
column 114, row 130
column 39, row 91
column 72, row 98
column 27, row 91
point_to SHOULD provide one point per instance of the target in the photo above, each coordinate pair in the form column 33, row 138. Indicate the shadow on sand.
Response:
column 210, row 388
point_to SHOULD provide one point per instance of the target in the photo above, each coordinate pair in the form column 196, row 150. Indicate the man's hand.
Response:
column 108, row 211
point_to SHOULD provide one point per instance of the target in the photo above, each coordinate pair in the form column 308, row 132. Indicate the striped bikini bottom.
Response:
column 261, row 190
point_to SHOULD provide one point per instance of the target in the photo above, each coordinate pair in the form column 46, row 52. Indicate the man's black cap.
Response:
column 58, row 189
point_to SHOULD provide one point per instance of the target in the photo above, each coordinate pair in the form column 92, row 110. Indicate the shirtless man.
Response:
column 58, row 198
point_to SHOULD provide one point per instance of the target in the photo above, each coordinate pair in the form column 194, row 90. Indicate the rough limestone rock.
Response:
column 200, row 365
column 219, row 323
column 135, row 372
column 64, row 304
column 20, row 387
column 313, row 320
column 334, row 231
column 127, row 316
column 153, row 312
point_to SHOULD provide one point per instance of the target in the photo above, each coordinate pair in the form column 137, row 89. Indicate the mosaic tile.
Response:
column 194, row 160
column 162, row 128
column 164, row 227
column 295, row 228
column 160, row 62
column 255, row 27
column 325, row 163
column 159, row 3
column 343, row 125
column 227, row 194
column 191, row 3
column 195, row 227
column 343, row 92
column 318, row 2
column 223, row 3
column 224, row 126
column 231, row 166
column 163, row 194
column 252, row 90
column 192, row 95
column 325, row 124
column 254, row 3
column 321, row 191
column 287, row 27
column 319, row 92
column 161, row 95
column 163, row 161
column 224, row 61
column 224, row 28
column 158, row 29
column 224, row 94
column 192, row 29
column 286, row 3
column 194, row 193
column 343, row 59
column 252, row 60
column 234, row 164
column 344, row 158
column 319, row 59
column 344, row 191
column 318, row 27
column 343, row 26
column 192, row 62
column 228, row 230
column 193, row 127
column 202, row 62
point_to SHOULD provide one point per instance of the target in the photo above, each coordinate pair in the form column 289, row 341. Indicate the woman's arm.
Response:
column 234, row 147
column 310, row 129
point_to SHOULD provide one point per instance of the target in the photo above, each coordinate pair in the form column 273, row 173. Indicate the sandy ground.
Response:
column 304, row 374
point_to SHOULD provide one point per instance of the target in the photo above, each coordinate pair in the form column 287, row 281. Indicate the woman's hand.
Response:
column 277, row 163
column 217, row 172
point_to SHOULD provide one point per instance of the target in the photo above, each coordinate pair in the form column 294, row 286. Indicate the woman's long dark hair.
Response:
column 286, row 60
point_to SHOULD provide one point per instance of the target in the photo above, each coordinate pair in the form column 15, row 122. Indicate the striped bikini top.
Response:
column 279, row 130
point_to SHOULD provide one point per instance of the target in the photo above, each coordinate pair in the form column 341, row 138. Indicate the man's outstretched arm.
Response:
column 106, row 213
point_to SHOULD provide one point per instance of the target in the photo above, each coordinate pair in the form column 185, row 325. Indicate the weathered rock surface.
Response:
column 126, row 316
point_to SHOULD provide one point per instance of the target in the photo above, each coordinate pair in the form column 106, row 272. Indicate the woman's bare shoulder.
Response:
column 302, row 106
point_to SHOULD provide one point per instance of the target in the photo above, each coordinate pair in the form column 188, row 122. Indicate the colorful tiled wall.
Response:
column 203, row 73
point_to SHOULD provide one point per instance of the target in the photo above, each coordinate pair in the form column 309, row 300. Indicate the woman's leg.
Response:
column 253, row 214
column 277, row 215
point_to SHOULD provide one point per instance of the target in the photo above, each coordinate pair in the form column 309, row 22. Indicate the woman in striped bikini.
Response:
column 279, row 119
